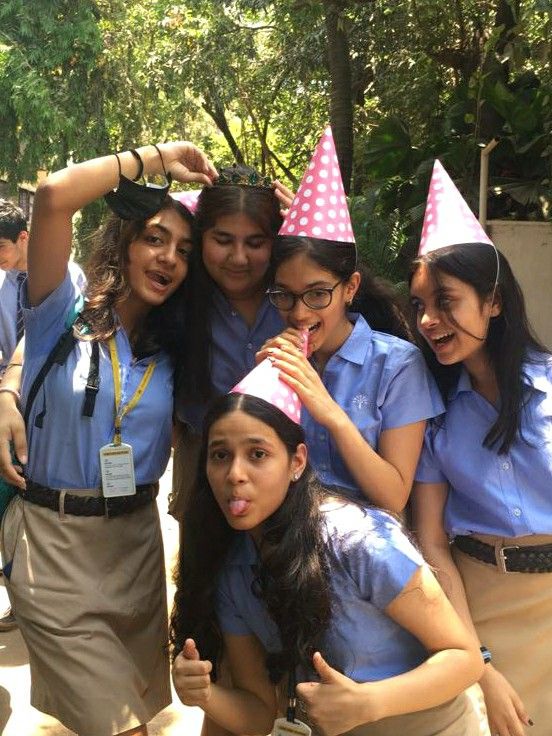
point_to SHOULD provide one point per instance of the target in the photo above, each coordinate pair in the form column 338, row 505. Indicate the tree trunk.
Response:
column 341, row 102
column 213, row 108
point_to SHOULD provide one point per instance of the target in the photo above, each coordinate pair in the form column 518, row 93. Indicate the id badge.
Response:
column 117, row 468
column 283, row 727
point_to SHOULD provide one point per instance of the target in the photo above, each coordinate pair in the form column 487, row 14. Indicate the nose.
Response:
column 168, row 254
column 238, row 254
column 299, row 311
column 428, row 318
column 236, row 471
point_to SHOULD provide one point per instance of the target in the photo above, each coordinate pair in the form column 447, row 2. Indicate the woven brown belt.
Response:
column 510, row 558
column 81, row 505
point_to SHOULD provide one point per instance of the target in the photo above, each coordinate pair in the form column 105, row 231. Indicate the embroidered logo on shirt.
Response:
column 360, row 402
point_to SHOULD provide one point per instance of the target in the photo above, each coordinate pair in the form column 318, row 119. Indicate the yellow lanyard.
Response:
column 121, row 411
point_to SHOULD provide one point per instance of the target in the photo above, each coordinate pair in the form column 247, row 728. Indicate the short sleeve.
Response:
column 411, row 394
column 428, row 470
column 381, row 560
column 46, row 322
column 228, row 614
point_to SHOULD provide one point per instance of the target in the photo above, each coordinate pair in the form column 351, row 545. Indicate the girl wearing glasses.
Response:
column 361, row 433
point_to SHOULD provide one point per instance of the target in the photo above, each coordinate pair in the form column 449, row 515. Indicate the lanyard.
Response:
column 121, row 411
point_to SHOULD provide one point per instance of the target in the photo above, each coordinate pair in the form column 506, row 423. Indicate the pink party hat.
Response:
column 264, row 382
column 448, row 220
column 319, row 209
column 188, row 198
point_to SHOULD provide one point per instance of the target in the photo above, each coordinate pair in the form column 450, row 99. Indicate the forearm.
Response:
column 239, row 711
column 378, row 479
column 439, row 679
column 12, row 375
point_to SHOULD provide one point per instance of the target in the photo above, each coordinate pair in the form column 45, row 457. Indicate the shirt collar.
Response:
column 358, row 345
column 533, row 375
column 224, row 307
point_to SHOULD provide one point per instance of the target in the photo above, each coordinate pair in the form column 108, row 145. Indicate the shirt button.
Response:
column 234, row 314
column 323, row 466
column 517, row 511
column 250, row 346
column 322, row 436
column 506, row 466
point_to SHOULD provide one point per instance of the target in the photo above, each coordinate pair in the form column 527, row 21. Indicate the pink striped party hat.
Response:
column 319, row 209
column 264, row 382
column 448, row 220
column 188, row 198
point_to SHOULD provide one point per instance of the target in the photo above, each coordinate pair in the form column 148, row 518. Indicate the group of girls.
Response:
column 285, row 575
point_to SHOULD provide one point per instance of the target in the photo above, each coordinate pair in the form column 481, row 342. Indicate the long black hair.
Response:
column 260, row 204
column 292, row 579
column 374, row 299
column 510, row 340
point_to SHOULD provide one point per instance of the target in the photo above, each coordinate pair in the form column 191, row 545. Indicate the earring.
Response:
column 296, row 476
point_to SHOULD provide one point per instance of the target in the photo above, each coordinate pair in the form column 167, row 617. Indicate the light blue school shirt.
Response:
column 233, row 348
column 509, row 495
column 64, row 453
column 381, row 382
column 370, row 561
column 8, row 309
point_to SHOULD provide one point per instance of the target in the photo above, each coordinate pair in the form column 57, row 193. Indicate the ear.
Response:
column 351, row 286
column 22, row 238
column 298, row 461
column 496, row 307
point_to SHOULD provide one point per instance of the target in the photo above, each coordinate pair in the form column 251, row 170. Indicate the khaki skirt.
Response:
column 185, row 459
column 455, row 718
column 90, row 600
column 512, row 613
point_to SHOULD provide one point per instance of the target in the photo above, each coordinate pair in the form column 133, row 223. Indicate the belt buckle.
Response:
column 501, row 557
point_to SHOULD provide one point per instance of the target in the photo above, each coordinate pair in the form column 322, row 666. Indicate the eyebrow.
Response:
column 250, row 440
column 312, row 285
column 224, row 233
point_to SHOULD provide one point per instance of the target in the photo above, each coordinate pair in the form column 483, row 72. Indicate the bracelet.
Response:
column 12, row 391
column 486, row 654
column 161, row 157
column 13, row 365
column 140, row 164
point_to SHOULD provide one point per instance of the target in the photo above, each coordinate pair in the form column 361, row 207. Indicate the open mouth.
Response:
column 238, row 506
column 442, row 339
column 159, row 278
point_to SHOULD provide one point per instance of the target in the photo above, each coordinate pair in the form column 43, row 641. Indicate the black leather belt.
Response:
column 78, row 505
column 509, row 558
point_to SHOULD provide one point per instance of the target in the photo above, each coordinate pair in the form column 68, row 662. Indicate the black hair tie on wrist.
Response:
column 140, row 163
column 132, row 201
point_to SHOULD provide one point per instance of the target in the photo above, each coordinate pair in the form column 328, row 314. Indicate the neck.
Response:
column 131, row 314
column 21, row 264
column 482, row 376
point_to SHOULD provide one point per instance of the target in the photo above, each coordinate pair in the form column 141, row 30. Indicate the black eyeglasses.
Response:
column 317, row 298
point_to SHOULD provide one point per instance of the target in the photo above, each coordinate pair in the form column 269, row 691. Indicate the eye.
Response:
column 258, row 454
column 185, row 253
column 416, row 304
column 222, row 241
column 256, row 244
column 218, row 456
column 444, row 301
column 153, row 239
column 317, row 293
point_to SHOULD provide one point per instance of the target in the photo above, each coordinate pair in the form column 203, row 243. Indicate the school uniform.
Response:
column 370, row 561
column 233, row 347
column 381, row 382
column 502, row 501
column 89, row 591
column 9, row 303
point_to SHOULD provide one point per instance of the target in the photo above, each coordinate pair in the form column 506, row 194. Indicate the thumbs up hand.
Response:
column 336, row 704
column 191, row 676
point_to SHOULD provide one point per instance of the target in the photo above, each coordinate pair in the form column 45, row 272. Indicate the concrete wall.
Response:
column 528, row 248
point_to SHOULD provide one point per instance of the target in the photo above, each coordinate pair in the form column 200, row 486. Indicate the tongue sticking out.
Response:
column 238, row 506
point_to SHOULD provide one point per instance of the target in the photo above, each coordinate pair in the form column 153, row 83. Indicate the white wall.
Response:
column 528, row 248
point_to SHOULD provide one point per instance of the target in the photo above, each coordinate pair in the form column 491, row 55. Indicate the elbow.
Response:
column 49, row 195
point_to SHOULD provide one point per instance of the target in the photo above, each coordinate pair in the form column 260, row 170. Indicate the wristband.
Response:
column 13, row 391
column 140, row 164
column 486, row 654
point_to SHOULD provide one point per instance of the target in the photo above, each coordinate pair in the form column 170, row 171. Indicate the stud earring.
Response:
column 296, row 476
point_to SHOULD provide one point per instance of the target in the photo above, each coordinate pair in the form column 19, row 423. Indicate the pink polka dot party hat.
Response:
column 264, row 382
column 319, row 209
column 188, row 198
column 448, row 220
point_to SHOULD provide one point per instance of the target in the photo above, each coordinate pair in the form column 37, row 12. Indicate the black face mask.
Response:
column 132, row 201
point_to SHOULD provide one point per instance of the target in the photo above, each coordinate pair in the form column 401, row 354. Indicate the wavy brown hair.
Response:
column 107, row 287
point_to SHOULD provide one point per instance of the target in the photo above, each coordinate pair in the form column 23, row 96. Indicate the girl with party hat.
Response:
column 485, row 473
column 300, row 584
column 362, row 432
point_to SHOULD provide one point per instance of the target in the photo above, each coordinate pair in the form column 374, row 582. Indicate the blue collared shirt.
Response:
column 370, row 561
column 508, row 495
column 382, row 383
column 233, row 348
column 64, row 453
column 8, row 310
